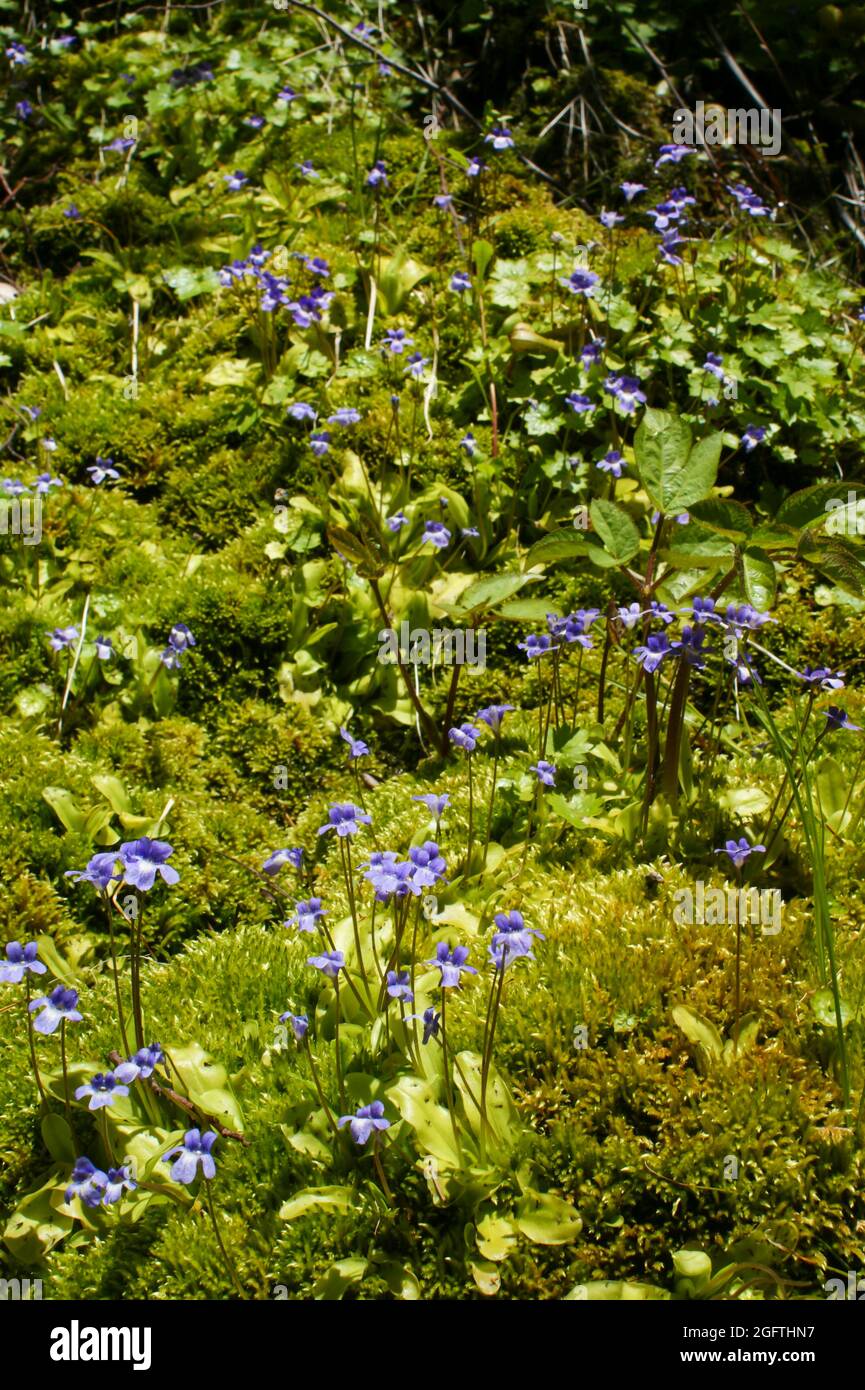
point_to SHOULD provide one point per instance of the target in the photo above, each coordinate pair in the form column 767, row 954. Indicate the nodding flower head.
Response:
column 299, row 1024
column 60, row 1006
column 20, row 961
column 837, row 718
column 546, row 772
column 465, row 736
column 356, row 746
column 493, row 716
column 280, row 857
column 428, row 866
column 366, row 1121
column 329, row 963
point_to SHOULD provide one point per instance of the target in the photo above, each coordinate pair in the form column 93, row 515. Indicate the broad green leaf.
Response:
column 698, row 1030
column 416, row 1102
column 727, row 518
column 64, row 808
column 59, row 1139
column 37, row 1224
column 496, row 1237
column 616, row 529
column 487, row 593
column 749, row 1029
column 502, row 1118
column 398, row 278
column 486, row 1276
column 547, row 1219
column 206, row 1083
column 566, row 544
column 823, row 1009
column 318, row 1199
column 615, row 1291
column 482, row 254
column 808, row 505
column 339, row 1279
column 115, row 794
column 187, row 282
column 760, row 579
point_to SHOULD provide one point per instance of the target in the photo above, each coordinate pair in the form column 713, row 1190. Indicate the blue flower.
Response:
column 398, row 985
column 59, row 1005
column 443, row 201
column 630, row 615
column 100, row 871
column 119, row 1180
column 236, row 180
column 102, row 1089
column 194, row 1151
column 24, row 109
column 752, row 436
column 579, row 403
column 345, row 818
column 591, row 353
column 329, row 963
column 739, row 851
column 493, row 716
column 17, row 54
column 319, row 443
column 307, row 169
column 346, row 415
column 286, row 94
column 451, row 964
column 714, row 363
column 279, row 858
column 748, row 200
column 651, row 654
column 87, row 1182
column 612, row 462
column 62, row 637
column 837, row 719
column 301, row 410
column 20, row 961
column 377, row 174
column 581, row 281
column 546, row 772
column 512, row 939
column 703, row 611
column 428, row 866
column 437, row 534
column 396, row 342
column 416, row 364
column 536, row 645
column 299, row 1024
column 396, row 522
column 465, row 737
column 307, row 914
column 821, row 675
column 356, row 746
column 609, row 219
column 388, row 875
column 631, row 190
column 435, row 804
column 145, row 858
column 365, row 1122
column 141, row 1064
column 460, row 281
column 673, row 154
column 626, row 392
column 669, row 245
column 500, row 138
column 476, row 166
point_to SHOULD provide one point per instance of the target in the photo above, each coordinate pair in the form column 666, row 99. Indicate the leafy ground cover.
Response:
column 337, row 964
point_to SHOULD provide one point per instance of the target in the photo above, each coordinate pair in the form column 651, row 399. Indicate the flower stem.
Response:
column 32, row 1042
column 65, row 1072
column 324, row 1105
column 232, row 1273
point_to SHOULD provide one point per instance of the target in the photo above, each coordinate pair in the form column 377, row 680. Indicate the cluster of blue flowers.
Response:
column 307, row 307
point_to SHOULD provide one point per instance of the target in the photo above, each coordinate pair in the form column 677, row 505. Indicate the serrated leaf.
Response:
column 616, row 529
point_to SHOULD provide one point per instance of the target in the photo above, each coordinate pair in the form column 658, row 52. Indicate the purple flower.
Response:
column 612, row 462
column 388, row 875
column 87, row 1182
column 664, row 215
column 356, row 746
column 20, row 961
column 703, row 611
column 286, row 94
column 346, row 415
column 104, row 648
column 669, row 245
column 434, row 804
column 319, row 442
column 626, row 391
column 416, row 363
column 63, row 637
column 493, row 716
column 536, row 645
column 512, row 939
column 591, row 353
column 437, row 534
column 377, row 174
column 837, row 718
column 119, row 1180
column 307, row 170
column 465, row 737
column 673, row 154
column 714, row 363
column 316, row 265
column 630, row 616
column 365, row 1122
column 279, row 857
column 748, row 200
column 399, row 986
column 581, row 281
column 301, row 410
column 59, row 1005
column 396, row 522
column 739, row 851
column 631, row 190
column 460, row 281
column 23, row 109
column 546, row 772
column 102, row 1089
column 141, row 1064
column 100, row 871
column 101, row 469
column 500, row 138
column 476, row 167
column 451, row 964
column 610, row 219
column 651, row 655
column 826, row 679
column 329, row 963
column 17, row 54
column 752, row 436
column 345, row 818
column 255, row 122
column 468, row 443
column 145, row 858
column 13, row 488
column 428, row 866
column 691, row 645
column 194, row 1150
column 430, row 1023
column 396, row 342
column 580, row 404
column 443, row 201
column 236, row 180
column 307, row 915
column 299, row 1024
